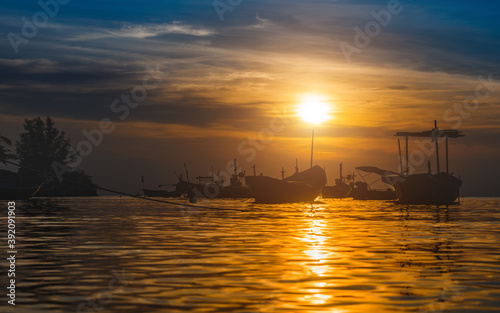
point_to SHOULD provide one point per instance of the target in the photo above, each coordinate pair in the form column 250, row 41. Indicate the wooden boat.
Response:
column 157, row 193
column 209, row 187
column 12, row 189
column 339, row 190
column 180, row 188
column 362, row 190
column 441, row 188
column 16, row 191
column 303, row 186
column 235, row 190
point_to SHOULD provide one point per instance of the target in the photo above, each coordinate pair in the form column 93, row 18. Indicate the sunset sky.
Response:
column 221, row 77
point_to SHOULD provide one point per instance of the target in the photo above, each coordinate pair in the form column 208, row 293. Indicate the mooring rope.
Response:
column 128, row 194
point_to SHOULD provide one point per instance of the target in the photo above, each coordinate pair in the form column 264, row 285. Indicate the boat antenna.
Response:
column 235, row 169
column 460, row 191
column 296, row 166
column 447, row 169
column 253, row 170
column 400, row 159
column 142, row 180
column 282, row 173
column 437, row 145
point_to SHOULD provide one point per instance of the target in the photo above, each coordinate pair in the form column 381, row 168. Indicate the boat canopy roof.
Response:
column 375, row 170
column 314, row 176
column 436, row 132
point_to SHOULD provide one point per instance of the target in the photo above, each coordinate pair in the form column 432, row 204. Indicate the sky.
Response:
column 204, row 82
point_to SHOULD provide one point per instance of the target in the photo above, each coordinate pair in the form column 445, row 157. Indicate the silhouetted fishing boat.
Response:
column 300, row 187
column 442, row 188
column 209, row 187
column 12, row 189
column 235, row 190
column 339, row 190
column 16, row 191
column 181, row 188
column 157, row 193
column 362, row 190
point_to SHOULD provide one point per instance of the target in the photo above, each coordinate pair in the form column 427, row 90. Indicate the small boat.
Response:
column 180, row 188
column 157, row 193
column 209, row 187
column 235, row 190
column 12, row 189
column 441, row 188
column 340, row 190
column 17, row 191
column 425, row 188
column 303, row 186
column 362, row 190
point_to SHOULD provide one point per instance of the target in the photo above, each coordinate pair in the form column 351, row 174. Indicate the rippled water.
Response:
column 112, row 254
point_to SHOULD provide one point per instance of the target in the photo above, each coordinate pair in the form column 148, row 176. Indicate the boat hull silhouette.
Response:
column 160, row 193
column 12, row 189
column 338, row 191
column 362, row 192
column 15, row 191
column 235, row 192
column 440, row 189
column 300, row 187
column 214, row 190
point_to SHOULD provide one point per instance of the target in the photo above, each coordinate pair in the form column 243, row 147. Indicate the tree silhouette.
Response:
column 5, row 154
column 39, row 146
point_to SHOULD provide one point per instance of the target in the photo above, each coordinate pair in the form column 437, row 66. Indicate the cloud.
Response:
column 142, row 31
column 261, row 23
column 145, row 31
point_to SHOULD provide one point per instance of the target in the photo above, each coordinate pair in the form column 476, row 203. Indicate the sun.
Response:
column 314, row 109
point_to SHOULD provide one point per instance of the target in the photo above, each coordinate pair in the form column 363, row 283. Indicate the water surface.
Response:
column 117, row 254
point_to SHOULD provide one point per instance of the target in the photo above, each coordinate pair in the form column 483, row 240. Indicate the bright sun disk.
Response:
column 313, row 109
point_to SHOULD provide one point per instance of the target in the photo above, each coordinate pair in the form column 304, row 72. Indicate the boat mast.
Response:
column 282, row 173
column 253, row 169
column 312, row 147
column 296, row 166
column 437, row 145
column 341, row 177
column 400, row 160
column 447, row 171
column 407, row 169
column 187, row 174
column 235, row 169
